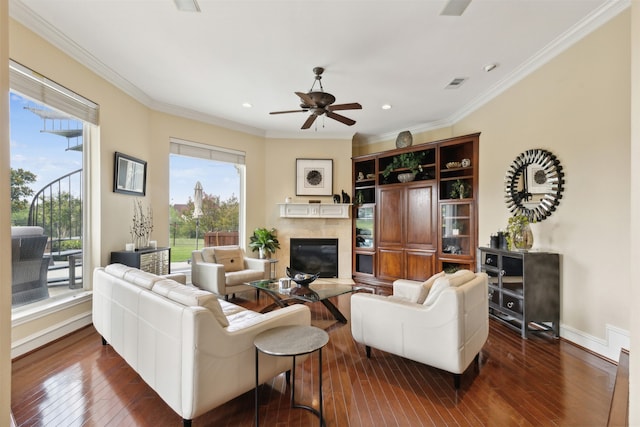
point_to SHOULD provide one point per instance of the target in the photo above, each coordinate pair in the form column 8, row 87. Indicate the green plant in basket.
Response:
column 411, row 161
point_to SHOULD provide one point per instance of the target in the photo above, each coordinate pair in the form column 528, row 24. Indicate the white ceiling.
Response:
column 206, row 65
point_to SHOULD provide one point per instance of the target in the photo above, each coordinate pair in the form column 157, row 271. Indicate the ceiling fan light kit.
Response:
column 320, row 102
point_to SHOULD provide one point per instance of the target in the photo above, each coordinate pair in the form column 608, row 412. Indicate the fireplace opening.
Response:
column 315, row 256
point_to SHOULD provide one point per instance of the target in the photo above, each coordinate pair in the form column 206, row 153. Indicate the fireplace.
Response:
column 315, row 256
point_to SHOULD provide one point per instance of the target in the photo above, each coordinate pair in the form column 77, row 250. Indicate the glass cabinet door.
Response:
column 457, row 231
column 364, row 232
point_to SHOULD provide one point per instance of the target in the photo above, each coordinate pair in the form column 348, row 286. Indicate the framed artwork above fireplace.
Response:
column 314, row 177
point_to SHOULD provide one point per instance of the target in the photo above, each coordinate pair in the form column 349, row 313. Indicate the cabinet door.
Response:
column 390, row 216
column 420, row 217
column 390, row 264
column 420, row 265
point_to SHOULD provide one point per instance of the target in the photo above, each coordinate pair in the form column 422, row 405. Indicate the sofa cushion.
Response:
column 229, row 308
column 164, row 286
column 141, row 278
column 232, row 259
column 118, row 270
column 426, row 287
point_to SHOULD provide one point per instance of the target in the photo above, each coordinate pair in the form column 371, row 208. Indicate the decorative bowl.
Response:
column 302, row 279
column 453, row 165
column 406, row 177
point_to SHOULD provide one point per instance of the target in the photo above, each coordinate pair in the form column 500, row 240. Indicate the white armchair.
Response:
column 446, row 331
column 223, row 270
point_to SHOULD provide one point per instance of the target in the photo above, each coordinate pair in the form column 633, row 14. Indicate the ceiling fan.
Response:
column 320, row 102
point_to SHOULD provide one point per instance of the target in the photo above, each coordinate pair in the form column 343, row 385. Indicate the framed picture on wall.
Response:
column 314, row 177
column 130, row 175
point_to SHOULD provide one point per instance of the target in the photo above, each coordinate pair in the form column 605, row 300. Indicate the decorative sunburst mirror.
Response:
column 533, row 184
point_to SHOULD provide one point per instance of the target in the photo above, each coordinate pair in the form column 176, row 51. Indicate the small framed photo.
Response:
column 314, row 177
column 130, row 175
column 537, row 180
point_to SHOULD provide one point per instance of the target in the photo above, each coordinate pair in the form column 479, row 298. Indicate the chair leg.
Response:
column 287, row 376
column 186, row 423
column 456, row 380
column 104, row 342
column 368, row 350
column 226, row 297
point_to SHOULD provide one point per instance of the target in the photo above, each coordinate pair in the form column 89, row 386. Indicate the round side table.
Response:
column 292, row 341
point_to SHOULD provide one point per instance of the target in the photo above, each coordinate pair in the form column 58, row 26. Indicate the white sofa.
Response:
column 443, row 322
column 223, row 270
column 193, row 349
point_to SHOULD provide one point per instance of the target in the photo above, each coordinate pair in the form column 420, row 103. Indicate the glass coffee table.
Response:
column 318, row 291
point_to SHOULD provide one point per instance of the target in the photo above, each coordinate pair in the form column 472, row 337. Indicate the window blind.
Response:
column 203, row 151
column 39, row 88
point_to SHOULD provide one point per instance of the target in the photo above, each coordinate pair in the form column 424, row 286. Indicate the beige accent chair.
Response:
column 224, row 270
column 443, row 322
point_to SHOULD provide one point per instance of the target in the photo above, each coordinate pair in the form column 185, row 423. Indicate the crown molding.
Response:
column 574, row 34
column 23, row 14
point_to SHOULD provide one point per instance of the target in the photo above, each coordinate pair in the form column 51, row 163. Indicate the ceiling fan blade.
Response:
column 342, row 119
column 306, row 99
column 309, row 122
column 288, row 111
column 352, row 106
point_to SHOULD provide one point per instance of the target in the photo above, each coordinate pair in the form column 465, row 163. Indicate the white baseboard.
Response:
column 608, row 347
column 52, row 333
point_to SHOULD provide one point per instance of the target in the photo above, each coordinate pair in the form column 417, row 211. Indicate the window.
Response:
column 220, row 220
column 50, row 128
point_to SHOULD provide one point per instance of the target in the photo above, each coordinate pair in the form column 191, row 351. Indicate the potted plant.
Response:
column 265, row 241
column 459, row 189
column 411, row 161
column 519, row 235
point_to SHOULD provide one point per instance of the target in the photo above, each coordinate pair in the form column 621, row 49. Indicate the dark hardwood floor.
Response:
column 538, row 382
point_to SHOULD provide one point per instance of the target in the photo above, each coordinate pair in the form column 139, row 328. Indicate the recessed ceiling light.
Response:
column 247, row 104
column 187, row 5
column 386, row 106
column 490, row 67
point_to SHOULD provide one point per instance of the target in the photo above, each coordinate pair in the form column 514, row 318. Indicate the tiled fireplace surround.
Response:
column 340, row 229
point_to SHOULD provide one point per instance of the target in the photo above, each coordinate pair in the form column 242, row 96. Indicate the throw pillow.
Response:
column 426, row 287
column 438, row 287
column 232, row 259
column 461, row 277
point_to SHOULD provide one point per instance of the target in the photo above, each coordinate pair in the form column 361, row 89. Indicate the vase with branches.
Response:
column 142, row 226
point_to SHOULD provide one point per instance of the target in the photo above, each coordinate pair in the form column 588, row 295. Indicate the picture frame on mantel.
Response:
column 130, row 175
column 314, row 177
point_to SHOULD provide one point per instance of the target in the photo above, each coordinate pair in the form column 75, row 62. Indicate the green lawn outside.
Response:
column 182, row 247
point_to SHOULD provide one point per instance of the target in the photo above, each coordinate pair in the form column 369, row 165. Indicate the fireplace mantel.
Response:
column 314, row 210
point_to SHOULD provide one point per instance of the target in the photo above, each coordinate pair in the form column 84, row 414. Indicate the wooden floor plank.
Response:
column 536, row 382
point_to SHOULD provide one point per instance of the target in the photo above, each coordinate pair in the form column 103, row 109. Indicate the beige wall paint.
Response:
column 5, row 222
column 634, row 359
column 576, row 106
column 280, row 170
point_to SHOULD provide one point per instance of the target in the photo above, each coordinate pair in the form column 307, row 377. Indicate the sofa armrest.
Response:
column 209, row 276
column 258, row 264
column 409, row 290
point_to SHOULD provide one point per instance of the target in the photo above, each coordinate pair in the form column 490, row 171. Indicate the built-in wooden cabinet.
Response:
column 417, row 227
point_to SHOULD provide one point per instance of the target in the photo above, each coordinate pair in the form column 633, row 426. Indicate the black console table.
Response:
column 156, row 261
column 524, row 289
